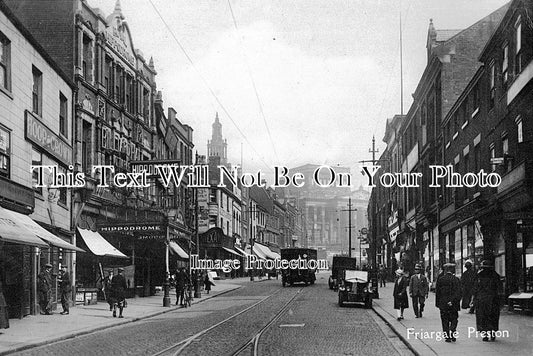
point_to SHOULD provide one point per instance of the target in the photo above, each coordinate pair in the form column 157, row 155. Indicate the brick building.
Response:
column 36, row 109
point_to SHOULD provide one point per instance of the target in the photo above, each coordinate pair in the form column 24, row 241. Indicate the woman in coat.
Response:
column 486, row 301
column 399, row 293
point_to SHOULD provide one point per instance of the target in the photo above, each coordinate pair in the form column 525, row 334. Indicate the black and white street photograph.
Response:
column 266, row 177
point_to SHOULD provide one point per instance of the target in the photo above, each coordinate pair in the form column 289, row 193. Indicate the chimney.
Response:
column 171, row 114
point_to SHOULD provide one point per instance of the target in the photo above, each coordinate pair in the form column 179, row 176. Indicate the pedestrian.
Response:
column 45, row 289
column 448, row 298
column 118, row 292
column 467, row 284
column 180, row 279
column 486, row 301
column 4, row 315
column 107, row 289
column 382, row 276
column 208, row 282
column 400, row 293
column 418, row 290
column 65, row 289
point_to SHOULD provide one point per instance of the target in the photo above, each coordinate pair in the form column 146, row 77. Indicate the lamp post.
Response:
column 166, row 285
column 252, row 240
column 197, row 293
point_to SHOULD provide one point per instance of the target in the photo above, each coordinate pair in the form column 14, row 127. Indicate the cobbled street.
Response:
column 311, row 324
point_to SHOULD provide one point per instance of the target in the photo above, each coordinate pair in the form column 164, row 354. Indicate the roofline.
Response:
column 26, row 33
column 510, row 11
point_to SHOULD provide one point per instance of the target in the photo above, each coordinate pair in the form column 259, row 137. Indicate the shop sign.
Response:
column 42, row 136
column 141, row 231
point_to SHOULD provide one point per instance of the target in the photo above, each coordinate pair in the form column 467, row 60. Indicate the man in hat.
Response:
column 65, row 289
column 486, row 301
column 118, row 291
column 181, row 279
column 467, row 283
column 448, row 298
column 418, row 290
column 44, row 287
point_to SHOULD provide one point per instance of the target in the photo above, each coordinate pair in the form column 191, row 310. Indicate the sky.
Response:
column 293, row 82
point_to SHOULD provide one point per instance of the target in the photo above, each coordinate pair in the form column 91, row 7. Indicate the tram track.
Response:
column 181, row 346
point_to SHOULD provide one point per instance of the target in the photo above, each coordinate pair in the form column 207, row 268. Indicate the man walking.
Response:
column 45, row 289
column 418, row 290
column 467, row 284
column 65, row 289
column 382, row 276
column 486, row 301
column 118, row 292
column 448, row 298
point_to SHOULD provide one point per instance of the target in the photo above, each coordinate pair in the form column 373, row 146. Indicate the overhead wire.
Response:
column 259, row 102
column 211, row 91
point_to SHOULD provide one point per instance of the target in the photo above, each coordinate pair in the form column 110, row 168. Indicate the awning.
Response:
column 250, row 253
column 98, row 245
column 12, row 229
column 261, row 251
column 243, row 253
column 176, row 249
column 46, row 235
column 232, row 251
column 266, row 251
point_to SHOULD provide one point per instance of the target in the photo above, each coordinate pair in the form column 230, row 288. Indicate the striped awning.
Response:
column 232, row 251
column 98, row 245
column 177, row 250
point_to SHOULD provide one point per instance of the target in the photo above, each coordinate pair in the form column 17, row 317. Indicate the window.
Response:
column 87, row 61
column 37, row 91
column 146, row 104
column 475, row 98
column 505, row 145
column 63, row 115
column 519, row 129
column 505, row 63
column 5, row 65
column 492, row 74
column 518, row 45
column 477, row 158
column 492, row 156
column 63, row 190
column 5, row 152
column 213, row 195
column 108, row 76
column 36, row 160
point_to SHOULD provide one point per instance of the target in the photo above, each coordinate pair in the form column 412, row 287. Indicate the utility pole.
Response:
column 349, row 210
column 374, row 213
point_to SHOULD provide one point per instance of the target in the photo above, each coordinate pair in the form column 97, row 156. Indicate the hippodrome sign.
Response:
column 141, row 231
column 149, row 166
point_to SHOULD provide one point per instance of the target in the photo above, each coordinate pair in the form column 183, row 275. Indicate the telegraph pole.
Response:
column 349, row 210
column 374, row 216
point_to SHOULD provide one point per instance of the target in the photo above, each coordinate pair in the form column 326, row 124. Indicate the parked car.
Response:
column 339, row 265
column 354, row 288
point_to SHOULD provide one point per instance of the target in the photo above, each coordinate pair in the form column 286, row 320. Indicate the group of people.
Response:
column 45, row 287
column 477, row 292
column 115, row 291
column 183, row 284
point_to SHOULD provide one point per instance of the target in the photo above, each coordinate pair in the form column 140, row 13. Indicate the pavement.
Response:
column 516, row 329
column 38, row 330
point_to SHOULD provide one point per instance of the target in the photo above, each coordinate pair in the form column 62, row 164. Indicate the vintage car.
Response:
column 354, row 288
column 340, row 264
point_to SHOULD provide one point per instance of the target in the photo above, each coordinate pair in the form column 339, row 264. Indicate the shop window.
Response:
column 37, row 91
column 5, row 152
column 36, row 160
column 5, row 62
column 63, row 115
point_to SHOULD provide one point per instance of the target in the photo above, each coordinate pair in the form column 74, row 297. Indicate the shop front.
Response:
column 215, row 245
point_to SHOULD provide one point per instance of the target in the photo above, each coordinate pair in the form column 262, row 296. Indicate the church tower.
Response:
column 217, row 146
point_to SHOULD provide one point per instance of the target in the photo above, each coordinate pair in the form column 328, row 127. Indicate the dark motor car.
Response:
column 354, row 288
column 339, row 265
